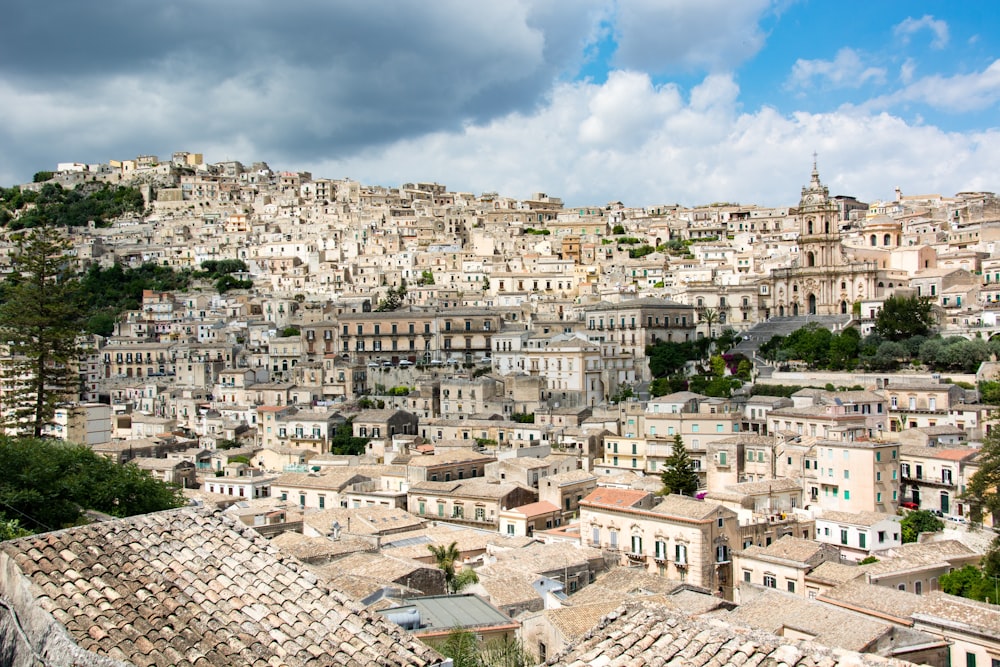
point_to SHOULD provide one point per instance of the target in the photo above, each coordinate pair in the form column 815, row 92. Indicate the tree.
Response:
column 983, row 489
column 919, row 521
column 904, row 317
column 40, row 322
column 710, row 316
column 678, row 474
column 393, row 299
column 969, row 582
column 461, row 646
column 446, row 557
column 10, row 529
column 47, row 484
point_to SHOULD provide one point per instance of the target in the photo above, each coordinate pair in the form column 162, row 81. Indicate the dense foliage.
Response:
column 819, row 348
column 106, row 293
column 983, row 489
column 919, row 521
column 53, row 204
column 902, row 318
column 343, row 442
column 47, row 485
column 719, row 376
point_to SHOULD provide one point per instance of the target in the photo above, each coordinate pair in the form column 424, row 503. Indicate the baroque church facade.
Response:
column 824, row 279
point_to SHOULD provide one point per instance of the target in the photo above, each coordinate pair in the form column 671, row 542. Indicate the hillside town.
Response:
column 491, row 356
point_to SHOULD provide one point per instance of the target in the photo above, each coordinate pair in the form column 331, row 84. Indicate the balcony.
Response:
column 914, row 480
column 635, row 557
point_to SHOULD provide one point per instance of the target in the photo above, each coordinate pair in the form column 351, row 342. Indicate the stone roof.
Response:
column 644, row 634
column 777, row 485
column 623, row 583
column 789, row 548
column 540, row 558
column 683, row 507
column 912, row 556
column 192, row 587
column 833, row 573
column 615, row 498
column 980, row 616
column 570, row 477
column 474, row 487
column 867, row 519
column 446, row 456
column 317, row 549
column 890, row 602
column 377, row 566
column 369, row 520
column 574, row 622
column 775, row 611
column 507, row 585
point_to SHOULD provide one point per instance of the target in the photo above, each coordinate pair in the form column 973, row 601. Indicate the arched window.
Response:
column 809, row 226
column 886, row 239
column 810, row 259
column 874, row 241
column 826, row 226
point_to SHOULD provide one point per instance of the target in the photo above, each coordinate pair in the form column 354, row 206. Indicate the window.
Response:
column 595, row 538
column 862, row 540
column 661, row 550
column 636, row 544
column 970, row 659
column 791, row 586
column 440, row 509
column 843, row 536
column 770, row 581
column 322, row 502
column 614, row 538
column 680, row 554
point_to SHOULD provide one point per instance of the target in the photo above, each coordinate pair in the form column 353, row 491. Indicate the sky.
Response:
column 641, row 101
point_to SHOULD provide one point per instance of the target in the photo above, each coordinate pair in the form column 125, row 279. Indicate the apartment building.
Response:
column 676, row 537
column 853, row 475
column 933, row 478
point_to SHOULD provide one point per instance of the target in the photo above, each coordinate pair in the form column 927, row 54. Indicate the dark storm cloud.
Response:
column 292, row 80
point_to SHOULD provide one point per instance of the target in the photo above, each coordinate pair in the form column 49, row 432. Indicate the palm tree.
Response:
column 445, row 557
column 710, row 316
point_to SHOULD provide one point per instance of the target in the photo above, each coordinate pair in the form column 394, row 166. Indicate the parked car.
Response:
column 910, row 505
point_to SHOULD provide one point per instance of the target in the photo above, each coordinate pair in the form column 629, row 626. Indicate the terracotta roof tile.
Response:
column 190, row 587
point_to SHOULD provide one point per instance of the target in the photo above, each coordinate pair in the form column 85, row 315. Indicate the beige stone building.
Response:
column 782, row 565
column 677, row 537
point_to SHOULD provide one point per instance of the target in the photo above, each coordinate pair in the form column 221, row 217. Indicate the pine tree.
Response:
column 40, row 321
column 678, row 474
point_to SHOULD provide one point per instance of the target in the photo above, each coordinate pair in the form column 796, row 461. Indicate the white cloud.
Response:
column 695, row 152
column 910, row 26
column 956, row 94
column 846, row 70
column 906, row 71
